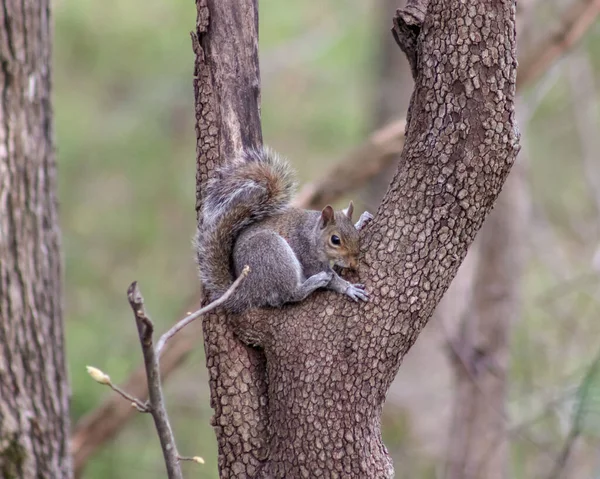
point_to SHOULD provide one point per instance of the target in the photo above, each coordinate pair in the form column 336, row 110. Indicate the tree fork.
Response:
column 330, row 362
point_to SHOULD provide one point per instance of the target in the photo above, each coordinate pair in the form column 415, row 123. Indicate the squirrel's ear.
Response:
column 327, row 216
column 348, row 211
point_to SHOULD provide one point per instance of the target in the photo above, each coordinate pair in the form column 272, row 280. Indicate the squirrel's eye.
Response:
column 335, row 240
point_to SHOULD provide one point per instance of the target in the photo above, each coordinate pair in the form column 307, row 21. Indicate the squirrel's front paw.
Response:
column 364, row 219
column 357, row 292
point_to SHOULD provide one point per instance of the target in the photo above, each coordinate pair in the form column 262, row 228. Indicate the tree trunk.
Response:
column 329, row 362
column 227, row 90
column 34, row 421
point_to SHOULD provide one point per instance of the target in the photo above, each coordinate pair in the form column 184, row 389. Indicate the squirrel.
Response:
column 248, row 220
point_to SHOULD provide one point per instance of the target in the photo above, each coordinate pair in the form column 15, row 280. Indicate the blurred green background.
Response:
column 123, row 104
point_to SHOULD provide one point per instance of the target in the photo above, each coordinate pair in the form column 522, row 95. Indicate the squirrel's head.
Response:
column 338, row 238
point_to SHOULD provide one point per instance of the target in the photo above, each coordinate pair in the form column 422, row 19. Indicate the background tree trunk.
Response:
column 478, row 442
column 34, row 421
column 480, row 352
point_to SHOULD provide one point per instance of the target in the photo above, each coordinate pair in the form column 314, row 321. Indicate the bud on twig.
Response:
column 98, row 375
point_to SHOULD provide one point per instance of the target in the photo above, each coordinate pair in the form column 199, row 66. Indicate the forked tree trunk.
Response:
column 34, row 421
column 327, row 362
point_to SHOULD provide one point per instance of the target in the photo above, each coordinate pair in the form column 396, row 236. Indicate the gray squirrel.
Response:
column 248, row 220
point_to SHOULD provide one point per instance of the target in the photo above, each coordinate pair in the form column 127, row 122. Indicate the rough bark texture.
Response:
column 330, row 362
column 227, row 89
column 34, row 423
column 478, row 443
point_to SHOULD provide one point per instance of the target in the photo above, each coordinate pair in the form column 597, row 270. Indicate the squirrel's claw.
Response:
column 357, row 292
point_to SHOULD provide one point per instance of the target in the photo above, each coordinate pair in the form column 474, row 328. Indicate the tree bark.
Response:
column 227, row 91
column 329, row 362
column 34, row 421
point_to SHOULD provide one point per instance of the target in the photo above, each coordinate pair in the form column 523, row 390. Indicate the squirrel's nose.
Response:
column 353, row 262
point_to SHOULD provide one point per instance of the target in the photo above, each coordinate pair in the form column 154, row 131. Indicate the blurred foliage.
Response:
column 123, row 105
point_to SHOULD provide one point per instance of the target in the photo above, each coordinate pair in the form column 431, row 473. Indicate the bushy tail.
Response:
column 244, row 191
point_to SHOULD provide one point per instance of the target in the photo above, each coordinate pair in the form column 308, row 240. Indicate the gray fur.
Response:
column 247, row 220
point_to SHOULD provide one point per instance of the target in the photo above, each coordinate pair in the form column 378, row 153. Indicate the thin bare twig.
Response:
column 191, row 317
column 103, row 378
column 155, row 405
column 135, row 402
column 156, row 402
column 105, row 422
column 196, row 459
